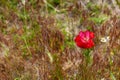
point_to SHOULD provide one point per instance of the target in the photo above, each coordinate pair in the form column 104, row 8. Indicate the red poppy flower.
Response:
column 85, row 39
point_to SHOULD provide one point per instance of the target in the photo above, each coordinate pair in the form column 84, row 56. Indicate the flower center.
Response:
column 86, row 39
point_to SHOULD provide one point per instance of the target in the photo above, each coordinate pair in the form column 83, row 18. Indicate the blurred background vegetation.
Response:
column 37, row 39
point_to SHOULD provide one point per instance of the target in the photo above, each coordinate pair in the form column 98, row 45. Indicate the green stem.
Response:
column 87, row 56
column 27, row 45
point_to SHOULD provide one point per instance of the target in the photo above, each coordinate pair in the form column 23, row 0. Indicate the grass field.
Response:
column 37, row 40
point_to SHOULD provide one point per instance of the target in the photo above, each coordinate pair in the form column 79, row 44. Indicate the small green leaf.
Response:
column 100, row 19
column 112, row 76
column 17, row 79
